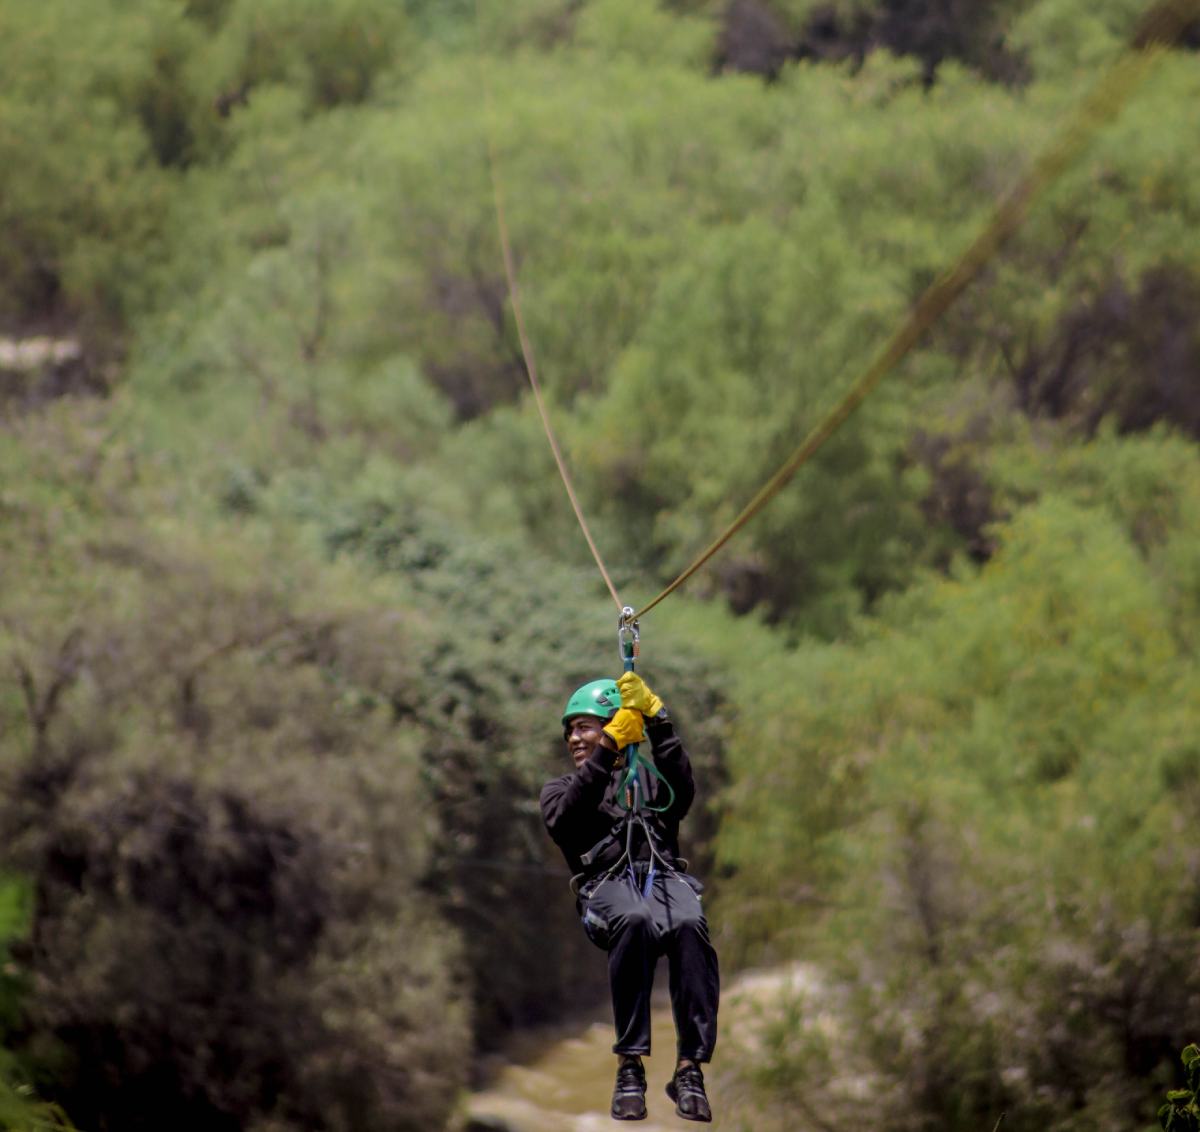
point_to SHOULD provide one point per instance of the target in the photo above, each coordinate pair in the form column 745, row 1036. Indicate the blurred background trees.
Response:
column 291, row 597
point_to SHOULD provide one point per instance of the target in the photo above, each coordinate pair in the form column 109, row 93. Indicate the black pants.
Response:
column 635, row 930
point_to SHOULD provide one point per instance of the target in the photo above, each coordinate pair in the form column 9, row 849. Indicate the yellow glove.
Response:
column 625, row 727
column 637, row 696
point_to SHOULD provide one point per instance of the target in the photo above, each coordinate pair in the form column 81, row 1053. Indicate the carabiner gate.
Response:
column 629, row 638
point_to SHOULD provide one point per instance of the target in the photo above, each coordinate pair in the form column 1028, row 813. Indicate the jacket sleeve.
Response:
column 674, row 765
column 565, row 800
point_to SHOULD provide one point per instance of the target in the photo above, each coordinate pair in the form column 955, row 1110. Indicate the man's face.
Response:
column 583, row 733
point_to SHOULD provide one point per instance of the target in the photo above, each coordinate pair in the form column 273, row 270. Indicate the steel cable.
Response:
column 514, row 298
column 1159, row 27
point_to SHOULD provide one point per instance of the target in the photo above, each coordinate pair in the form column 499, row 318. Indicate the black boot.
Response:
column 629, row 1093
column 686, row 1089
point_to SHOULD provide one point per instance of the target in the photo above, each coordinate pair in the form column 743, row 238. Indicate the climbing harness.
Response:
column 626, row 866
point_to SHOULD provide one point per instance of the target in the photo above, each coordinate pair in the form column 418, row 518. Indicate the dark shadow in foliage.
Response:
column 753, row 39
column 1181, row 1113
column 340, row 48
column 935, row 30
column 747, row 583
column 169, row 928
column 829, row 36
column 477, row 371
column 959, row 497
column 210, row 13
column 165, row 113
column 931, row 30
column 1129, row 355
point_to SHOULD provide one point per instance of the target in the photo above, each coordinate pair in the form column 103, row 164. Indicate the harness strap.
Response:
column 631, row 782
column 607, row 842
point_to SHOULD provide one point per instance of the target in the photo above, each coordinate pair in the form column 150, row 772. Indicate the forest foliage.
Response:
column 292, row 595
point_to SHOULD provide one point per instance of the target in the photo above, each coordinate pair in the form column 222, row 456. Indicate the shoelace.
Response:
column 631, row 1078
column 689, row 1079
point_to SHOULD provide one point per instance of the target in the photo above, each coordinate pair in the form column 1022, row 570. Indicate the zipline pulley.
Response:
column 629, row 637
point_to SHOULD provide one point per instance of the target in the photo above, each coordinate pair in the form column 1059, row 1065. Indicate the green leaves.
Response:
column 1175, row 1119
column 1182, row 1110
column 909, row 803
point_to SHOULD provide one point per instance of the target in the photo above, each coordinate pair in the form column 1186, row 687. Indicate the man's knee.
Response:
column 637, row 919
column 691, row 923
column 685, row 914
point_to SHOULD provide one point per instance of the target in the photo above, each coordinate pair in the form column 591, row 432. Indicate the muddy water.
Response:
column 562, row 1081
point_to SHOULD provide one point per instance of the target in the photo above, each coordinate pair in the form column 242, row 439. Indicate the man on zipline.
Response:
column 634, row 898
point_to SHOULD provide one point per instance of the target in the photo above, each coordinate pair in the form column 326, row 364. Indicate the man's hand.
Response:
column 625, row 727
column 637, row 696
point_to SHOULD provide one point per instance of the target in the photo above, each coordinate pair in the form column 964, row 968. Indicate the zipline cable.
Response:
column 1159, row 28
column 510, row 276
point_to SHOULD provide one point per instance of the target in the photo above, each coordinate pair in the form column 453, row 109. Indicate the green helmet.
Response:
column 600, row 698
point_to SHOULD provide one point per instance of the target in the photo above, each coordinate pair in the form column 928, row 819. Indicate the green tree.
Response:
column 985, row 777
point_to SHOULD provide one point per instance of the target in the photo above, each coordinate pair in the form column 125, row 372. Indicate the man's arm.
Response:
column 670, row 759
column 565, row 799
column 673, row 764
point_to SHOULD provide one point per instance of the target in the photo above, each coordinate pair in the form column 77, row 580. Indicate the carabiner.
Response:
column 629, row 638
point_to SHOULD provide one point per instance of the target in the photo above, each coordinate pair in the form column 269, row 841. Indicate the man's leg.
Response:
column 694, row 972
column 620, row 920
column 695, row 990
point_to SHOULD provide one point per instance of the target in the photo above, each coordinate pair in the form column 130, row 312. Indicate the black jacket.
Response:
column 580, row 809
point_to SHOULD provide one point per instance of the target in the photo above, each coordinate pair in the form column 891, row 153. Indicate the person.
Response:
column 634, row 896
